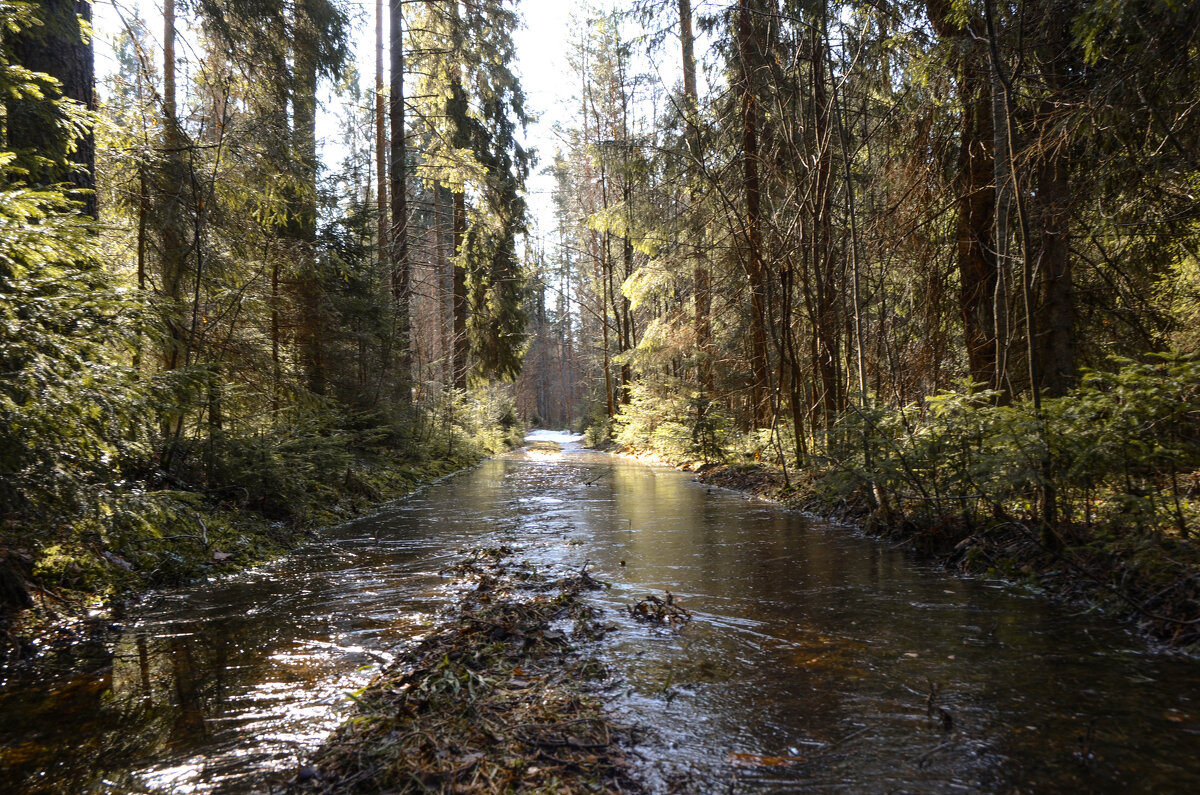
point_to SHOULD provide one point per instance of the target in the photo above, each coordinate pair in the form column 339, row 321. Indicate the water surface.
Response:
column 816, row 659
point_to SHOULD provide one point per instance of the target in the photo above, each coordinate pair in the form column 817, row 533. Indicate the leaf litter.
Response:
column 496, row 699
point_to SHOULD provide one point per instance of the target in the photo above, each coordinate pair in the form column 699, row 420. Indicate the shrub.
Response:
column 1121, row 447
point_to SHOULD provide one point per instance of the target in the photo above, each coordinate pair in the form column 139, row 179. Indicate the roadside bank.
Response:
column 75, row 593
column 1148, row 580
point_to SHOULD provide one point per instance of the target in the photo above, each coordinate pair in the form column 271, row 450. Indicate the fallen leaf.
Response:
column 756, row 760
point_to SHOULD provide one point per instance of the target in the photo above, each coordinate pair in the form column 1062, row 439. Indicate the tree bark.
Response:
column 1055, row 348
column 171, row 199
column 827, row 318
column 976, row 199
column 444, row 288
column 749, row 45
column 701, row 276
column 303, row 227
column 976, row 207
column 401, row 273
column 462, row 346
column 852, row 214
column 381, row 140
column 57, row 48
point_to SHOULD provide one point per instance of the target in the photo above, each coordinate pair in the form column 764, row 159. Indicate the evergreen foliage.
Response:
column 214, row 367
column 476, row 109
column 935, row 261
column 70, row 412
column 929, row 256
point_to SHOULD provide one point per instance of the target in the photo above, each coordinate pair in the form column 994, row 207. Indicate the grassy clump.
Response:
column 495, row 700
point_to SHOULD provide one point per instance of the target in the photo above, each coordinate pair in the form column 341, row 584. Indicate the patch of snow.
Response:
column 561, row 437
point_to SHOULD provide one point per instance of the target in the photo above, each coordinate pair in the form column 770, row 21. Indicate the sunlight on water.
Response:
column 549, row 446
column 543, row 454
column 816, row 659
column 181, row 779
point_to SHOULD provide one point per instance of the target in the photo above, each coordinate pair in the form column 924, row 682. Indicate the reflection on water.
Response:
column 811, row 643
column 815, row 659
column 233, row 682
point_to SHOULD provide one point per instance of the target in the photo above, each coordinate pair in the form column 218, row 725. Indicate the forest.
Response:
column 931, row 266
column 212, row 341
column 924, row 274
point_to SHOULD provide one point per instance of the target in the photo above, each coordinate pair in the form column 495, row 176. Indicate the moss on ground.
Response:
column 80, row 575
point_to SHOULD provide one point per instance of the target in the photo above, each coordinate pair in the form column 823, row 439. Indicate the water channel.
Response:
column 816, row 659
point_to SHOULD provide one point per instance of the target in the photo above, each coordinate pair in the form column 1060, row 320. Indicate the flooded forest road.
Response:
column 815, row 659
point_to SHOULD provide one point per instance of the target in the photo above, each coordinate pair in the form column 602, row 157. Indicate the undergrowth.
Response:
column 219, row 507
column 1095, row 497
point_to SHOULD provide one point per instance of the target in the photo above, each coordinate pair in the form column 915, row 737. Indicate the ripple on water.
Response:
column 815, row 659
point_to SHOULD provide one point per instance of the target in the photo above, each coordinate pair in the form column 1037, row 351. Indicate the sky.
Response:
column 542, row 45
column 548, row 83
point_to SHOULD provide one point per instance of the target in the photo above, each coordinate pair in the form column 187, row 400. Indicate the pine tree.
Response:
column 477, row 107
column 54, row 142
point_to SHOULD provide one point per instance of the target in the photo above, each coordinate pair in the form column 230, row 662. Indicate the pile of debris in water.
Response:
column 668, row 612
column 495, row 700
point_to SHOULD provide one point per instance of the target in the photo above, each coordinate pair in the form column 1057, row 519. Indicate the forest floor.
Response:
column 500, row 697
column 1149, row 580
column 78, row 600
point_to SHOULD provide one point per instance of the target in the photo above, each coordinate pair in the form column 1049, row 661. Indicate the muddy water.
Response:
column 815, row 659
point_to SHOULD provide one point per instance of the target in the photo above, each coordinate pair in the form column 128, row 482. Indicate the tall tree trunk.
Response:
column 172, row 200
column 749, row 46
column 627, row 330
column 143, row 230
column 610, row 300
column 1055, row 347
column 401, row 272
column 701, row 276
column 852, row 214
column 381, row 140
column 626, row 310
column 977, row 267
column 1002, row 236
column 143, row 216
column 541, row 326
column 462, row 346
column 59, row 48
column 444, row 288
column 1056, row 341
column 276, row 339
column 174, row 184
column 826, row 322
column 795, row 376
column 601, row 257
column 303, row 227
